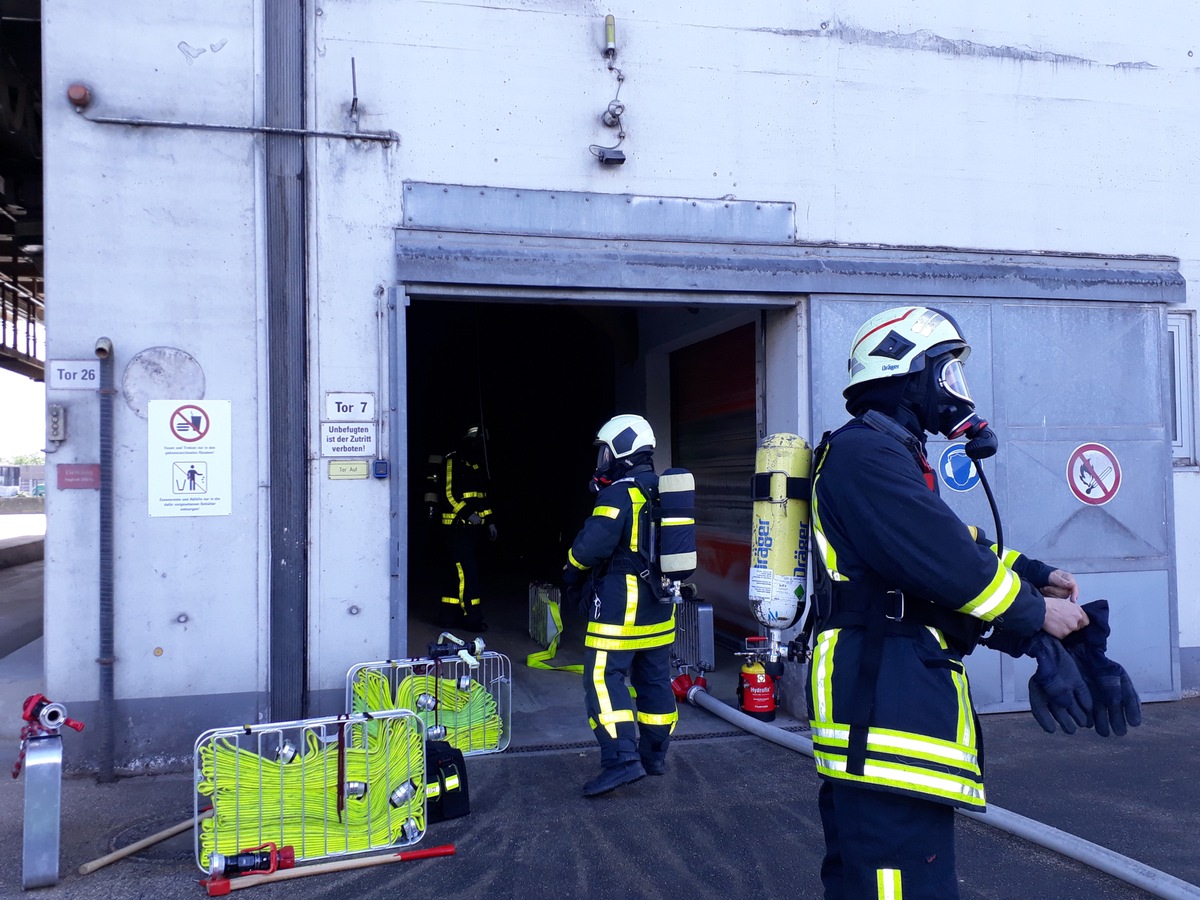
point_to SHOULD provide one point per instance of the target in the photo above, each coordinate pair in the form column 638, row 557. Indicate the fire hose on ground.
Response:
column 1138, row 874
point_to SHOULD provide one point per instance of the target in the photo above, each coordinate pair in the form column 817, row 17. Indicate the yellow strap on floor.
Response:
column 541, row 659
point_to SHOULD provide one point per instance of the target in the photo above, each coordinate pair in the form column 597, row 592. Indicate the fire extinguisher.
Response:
column 758, row 689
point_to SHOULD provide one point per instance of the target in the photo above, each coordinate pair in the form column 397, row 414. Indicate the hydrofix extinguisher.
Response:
column 757, row 690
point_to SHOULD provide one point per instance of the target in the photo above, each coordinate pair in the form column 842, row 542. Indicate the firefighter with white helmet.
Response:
column 630, row 631
column 904, row 591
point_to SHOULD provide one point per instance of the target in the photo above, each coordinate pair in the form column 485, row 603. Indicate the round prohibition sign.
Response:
column 1093, row 473
column 189, row 423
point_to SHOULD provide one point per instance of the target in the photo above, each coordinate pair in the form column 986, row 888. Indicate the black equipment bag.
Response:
column 446, row 793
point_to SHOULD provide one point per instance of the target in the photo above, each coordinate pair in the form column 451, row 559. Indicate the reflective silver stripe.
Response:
column 895, row 775
column 915, row 745
column 677, row 562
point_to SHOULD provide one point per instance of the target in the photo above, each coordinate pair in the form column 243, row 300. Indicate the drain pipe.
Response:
column 1158, row 883
column 106, row 659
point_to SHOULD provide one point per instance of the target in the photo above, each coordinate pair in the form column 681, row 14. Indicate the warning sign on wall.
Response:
column 189, row 458
column 1094, row 474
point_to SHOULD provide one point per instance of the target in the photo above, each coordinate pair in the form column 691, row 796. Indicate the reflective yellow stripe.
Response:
column 576, row 563
column 617, row 715
column 821, row 674
column 452, row 783
column 659, row 718
column 605, row 701
column 966, row 717
column 672, row 520
column 455, row 505
column 909, row 778
column 996, row 598
column 638, row 500
column 917, row 746
column 610, row 512
column 432, row 789
column 629, row 643
column 600, row 629
column 887, row 883
column 631, row 599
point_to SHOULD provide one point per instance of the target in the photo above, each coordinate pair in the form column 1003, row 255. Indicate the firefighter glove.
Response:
column 1115, row 701
column 571, row 576
column 1057, row 692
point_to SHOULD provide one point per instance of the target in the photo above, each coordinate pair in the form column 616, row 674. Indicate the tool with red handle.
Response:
column 219, row 886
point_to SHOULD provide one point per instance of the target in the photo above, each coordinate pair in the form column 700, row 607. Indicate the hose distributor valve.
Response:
column 41, row 717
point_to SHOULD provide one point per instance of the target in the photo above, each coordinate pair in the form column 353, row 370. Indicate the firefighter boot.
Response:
column 654, row 766
column 613, row 777
column 654, row 756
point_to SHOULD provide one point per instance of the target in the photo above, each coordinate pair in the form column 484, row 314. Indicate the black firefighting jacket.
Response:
column 908, row 588
column 614, row 542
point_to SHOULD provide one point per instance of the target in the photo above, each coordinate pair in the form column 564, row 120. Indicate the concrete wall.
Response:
column 1013, row 126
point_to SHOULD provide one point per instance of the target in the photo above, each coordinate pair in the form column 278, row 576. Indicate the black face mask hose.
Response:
column 981, row 444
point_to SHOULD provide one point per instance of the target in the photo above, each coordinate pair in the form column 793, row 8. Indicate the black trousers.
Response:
column 624, row 729
column 880, row 845
column 461, row 602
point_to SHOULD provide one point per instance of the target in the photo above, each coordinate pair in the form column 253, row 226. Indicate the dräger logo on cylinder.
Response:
column 762, row 544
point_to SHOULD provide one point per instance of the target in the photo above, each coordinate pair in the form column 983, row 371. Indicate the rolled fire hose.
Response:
column 1140, row 875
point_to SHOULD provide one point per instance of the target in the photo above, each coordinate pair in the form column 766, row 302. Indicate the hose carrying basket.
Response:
column 545, row 617
column 325, row 787
column 467, row 703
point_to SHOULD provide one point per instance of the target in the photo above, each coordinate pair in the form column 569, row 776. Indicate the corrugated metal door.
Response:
column 714, row 431
column 1076, row 392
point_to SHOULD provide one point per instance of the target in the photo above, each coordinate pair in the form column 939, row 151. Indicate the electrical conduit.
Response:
column 1158, row 883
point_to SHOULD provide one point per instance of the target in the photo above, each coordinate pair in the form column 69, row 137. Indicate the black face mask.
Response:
column 943, row 405
column 606, row 469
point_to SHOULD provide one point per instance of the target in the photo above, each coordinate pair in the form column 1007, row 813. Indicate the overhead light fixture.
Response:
column 611, row 157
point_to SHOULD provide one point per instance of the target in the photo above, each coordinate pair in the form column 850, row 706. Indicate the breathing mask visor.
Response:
column 606, row 463
column 956, row 412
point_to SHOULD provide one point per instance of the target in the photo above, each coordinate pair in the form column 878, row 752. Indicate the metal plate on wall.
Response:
column 492, row 210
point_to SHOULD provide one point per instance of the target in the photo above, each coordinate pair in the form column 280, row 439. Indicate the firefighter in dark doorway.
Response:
column 465, row 517
column 904, row 591
column 629, row 631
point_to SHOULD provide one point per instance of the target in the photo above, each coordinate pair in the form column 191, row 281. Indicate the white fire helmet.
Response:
column 622, row 436
column 897, row 341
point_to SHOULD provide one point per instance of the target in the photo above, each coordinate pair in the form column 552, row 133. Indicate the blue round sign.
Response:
column 956, row 469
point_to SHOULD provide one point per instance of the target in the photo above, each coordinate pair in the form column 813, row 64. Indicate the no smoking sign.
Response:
column 1094, row 474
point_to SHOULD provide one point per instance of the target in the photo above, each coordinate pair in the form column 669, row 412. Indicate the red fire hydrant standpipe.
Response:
column 41, row 755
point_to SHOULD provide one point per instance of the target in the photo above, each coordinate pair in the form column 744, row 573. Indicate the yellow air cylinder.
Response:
column 779, row 536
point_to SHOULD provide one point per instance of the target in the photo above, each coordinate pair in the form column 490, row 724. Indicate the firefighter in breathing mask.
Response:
column 904, row 591
column 629, row 631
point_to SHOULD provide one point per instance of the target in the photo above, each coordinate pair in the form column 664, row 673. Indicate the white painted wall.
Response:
column 1007, row 126
column 154, row 240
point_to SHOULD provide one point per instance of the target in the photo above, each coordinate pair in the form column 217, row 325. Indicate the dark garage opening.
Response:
column 541, row 379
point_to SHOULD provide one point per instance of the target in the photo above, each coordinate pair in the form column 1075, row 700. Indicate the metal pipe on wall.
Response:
column 287, row 352
column 107, row 657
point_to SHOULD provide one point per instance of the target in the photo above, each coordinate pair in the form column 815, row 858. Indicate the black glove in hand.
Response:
column 1057, row 692
column 575, row 582
column 1115, row 702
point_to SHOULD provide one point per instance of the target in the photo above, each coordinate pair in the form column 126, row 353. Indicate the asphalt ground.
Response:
column 735, row 815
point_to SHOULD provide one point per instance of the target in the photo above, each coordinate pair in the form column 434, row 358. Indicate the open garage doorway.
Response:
column 541, row 377
column 540, row 380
